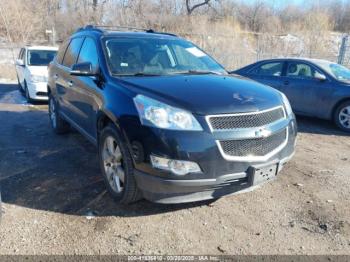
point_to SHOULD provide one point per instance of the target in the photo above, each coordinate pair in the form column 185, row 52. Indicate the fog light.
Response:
column 177, row 167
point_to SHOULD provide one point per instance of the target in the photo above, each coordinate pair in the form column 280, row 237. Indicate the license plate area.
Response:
column 264, row 174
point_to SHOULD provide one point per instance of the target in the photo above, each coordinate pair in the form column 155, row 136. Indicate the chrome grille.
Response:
column 255, row 147
column 246, row 120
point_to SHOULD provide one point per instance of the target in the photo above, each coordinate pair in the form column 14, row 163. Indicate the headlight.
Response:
column 177, row 167
column 37, row 78
column 158, row 114
column 286, row 104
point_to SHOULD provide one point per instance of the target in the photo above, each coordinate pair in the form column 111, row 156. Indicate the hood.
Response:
column 38, row 70
column 206, row 94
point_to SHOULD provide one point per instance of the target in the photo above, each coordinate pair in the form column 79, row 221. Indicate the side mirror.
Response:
column 19, row 62
column 320, row 76
column 83, row 69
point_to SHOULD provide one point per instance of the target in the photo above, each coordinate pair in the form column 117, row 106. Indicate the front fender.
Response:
column 119, row 109
column 339, row 96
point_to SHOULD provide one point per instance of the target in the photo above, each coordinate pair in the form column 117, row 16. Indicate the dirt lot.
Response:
column 55, row 201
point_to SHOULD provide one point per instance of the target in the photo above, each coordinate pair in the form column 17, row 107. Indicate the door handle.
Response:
column 286, row 82
column 70, row 83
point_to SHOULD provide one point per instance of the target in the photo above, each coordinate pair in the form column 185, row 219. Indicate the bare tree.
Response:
column 94, row 4
column 241, row 28
column 190, row 8
column 254, row 15
column 24, row 19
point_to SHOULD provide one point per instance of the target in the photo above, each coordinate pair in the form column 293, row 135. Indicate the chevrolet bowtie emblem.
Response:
column 262, row 133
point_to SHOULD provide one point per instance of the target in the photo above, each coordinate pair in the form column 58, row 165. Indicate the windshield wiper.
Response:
column 137, row 74
column 197, row 72
column 187, row 72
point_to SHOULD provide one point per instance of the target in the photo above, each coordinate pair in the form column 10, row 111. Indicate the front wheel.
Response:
column 20, row 87
column 0, row 207
column 59, row 125
column 116, row 166
column 27, row 94
column 342, row 116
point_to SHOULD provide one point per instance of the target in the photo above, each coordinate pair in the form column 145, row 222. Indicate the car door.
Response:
column 86, row 90
column 64, row 81
column 307, row 94
column 20, row 68
column 268, row 73
column 56, row 74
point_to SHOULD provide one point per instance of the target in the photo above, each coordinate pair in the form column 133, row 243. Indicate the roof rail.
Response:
column 88, row 27
column 151, row 31
column 120, row 28
column 103, row 28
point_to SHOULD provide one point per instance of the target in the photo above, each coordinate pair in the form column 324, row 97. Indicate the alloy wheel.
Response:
column 52, row 113
column 344, row 117
column 113, row 164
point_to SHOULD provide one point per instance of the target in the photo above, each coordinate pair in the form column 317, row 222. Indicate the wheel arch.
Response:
column 102, row 120
column 105, row 117
column 335, row 107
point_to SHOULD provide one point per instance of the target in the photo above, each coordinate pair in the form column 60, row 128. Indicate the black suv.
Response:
column 171, row 125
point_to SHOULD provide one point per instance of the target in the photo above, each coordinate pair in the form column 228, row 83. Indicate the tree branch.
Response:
column 191, row 9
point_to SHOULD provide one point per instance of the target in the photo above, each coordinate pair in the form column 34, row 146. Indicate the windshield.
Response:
column 147, row 56
column 341, row 73
column 40, row 57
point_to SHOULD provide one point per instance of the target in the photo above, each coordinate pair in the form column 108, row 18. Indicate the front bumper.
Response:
column 171, row 191
column 37, row 90
column 219, row 176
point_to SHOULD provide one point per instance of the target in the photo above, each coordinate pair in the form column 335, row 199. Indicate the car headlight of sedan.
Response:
column 38, row 78
column 287, row 105
column 157, row 114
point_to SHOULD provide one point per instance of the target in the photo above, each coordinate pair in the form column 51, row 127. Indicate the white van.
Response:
column 31, row 68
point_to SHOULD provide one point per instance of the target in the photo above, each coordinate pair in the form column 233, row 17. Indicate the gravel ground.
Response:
column 55, row 201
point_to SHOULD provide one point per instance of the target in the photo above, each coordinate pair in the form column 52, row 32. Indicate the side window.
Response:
column 72, row 52
column 300, row 70
column 88, row 53
column 24, row 56
column 20, row 56
column 61, row 51
column 269, row 69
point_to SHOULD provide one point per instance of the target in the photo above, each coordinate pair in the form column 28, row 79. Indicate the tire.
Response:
column 117, row 166
column 26, row 93
column 342, row 116
column 59, row 125
column 0, row 207
column 20, row 87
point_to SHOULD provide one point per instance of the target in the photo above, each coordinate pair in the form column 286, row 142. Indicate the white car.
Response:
column 31, row 68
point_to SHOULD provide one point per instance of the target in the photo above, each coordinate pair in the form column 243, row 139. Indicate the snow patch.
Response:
column 14, row 97
column 7, row 81
column 290, row 38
